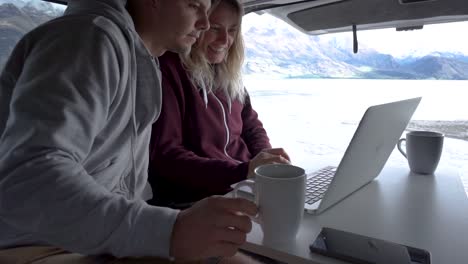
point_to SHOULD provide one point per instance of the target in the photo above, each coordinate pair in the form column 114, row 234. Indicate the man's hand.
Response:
column 215, row 226
column 268, row 156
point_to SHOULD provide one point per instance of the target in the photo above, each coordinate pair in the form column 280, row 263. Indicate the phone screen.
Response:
column 359, row 249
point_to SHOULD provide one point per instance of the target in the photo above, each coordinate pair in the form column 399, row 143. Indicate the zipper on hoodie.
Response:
column 227, row 129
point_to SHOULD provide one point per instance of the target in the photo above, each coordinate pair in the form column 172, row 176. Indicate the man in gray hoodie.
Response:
column 77, row 99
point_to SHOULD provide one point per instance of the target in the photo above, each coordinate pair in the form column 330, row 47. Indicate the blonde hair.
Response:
column 226, row 75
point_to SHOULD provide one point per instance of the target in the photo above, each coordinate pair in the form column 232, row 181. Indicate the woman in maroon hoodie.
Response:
column 208, row 136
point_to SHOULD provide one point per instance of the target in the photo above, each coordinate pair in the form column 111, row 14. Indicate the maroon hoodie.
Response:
column 199, row 149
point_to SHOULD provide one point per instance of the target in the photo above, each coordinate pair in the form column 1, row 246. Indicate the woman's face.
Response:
column 224, row 25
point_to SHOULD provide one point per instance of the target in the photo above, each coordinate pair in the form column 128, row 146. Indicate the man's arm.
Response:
column 58, row 106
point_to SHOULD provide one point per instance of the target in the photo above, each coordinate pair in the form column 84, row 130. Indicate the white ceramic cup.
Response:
column 423, row 150
column 279, row 191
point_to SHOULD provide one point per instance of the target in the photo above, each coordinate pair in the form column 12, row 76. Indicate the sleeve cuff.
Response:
column 152, row 237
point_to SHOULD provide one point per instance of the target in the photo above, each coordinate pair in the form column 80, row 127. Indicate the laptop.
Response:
column 374, row 140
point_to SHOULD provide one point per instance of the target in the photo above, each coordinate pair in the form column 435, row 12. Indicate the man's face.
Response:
column 184, row 21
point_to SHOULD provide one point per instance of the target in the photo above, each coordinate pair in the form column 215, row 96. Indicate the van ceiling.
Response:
column 257, row 5
column 370, row 14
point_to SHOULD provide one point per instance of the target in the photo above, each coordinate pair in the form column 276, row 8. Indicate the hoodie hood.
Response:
column 112, row 9
column 146, row 67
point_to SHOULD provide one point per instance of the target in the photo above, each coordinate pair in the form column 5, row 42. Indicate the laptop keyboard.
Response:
column 317, row 184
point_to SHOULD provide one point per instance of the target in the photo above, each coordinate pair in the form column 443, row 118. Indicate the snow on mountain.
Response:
column 18, row 3
column 43, row 6
column 277, row 49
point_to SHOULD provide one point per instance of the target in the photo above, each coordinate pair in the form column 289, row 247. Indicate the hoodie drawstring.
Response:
column 205, row 95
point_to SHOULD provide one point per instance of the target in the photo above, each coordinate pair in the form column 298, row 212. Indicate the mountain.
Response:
column 18, row 3
column 19, row 17
column 41, row 11
column 273, row 49
column 439, row 67
column 43, row 6
column 298, row 55
column 13, row 25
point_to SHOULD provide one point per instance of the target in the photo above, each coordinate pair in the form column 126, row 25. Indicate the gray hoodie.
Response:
column 77, row 100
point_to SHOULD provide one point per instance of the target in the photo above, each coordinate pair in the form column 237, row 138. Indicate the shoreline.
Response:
column 457, row 129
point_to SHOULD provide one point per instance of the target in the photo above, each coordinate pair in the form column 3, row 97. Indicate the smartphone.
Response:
column 359, row 249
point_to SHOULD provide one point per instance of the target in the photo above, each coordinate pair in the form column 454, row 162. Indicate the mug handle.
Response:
column 400, row 148
column 251, row 185
column 248, row 183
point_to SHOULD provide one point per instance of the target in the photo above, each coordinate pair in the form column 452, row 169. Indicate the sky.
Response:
column 448, row 37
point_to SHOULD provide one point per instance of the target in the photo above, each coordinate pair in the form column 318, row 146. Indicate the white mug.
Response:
column 423, row 150
column 279, row 191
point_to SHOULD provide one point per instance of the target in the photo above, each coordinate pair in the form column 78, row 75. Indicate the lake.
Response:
column 314, row 119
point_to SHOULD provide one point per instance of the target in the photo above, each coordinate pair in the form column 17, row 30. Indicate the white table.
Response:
column 428, row 212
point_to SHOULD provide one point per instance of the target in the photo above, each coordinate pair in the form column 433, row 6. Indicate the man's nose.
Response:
column 203, row 23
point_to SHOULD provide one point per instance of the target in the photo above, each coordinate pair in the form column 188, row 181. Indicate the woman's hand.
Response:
column 268, row 156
